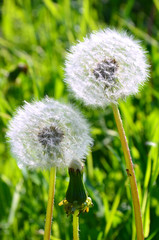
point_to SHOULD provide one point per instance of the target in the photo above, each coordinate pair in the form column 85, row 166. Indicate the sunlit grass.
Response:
column 38, row 33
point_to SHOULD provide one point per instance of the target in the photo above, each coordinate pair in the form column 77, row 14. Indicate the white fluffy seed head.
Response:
column 47, row 133
column 105, row 67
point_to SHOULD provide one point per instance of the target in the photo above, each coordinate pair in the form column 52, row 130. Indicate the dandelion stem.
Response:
column 130, row 172
column 75, row 225
column 50, row 203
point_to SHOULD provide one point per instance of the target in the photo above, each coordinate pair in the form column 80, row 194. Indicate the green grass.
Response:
column 39, row 33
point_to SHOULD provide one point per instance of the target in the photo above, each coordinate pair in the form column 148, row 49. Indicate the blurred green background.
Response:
column 34, row 39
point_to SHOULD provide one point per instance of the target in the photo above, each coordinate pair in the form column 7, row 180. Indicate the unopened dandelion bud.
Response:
column 76, row 195
column 76, row 191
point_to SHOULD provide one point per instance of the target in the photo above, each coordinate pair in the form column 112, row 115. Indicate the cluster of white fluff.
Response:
column 105, row 67
column 47, row 133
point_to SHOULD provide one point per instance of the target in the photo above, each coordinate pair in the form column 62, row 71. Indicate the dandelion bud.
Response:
column 105, row 67
column 76, row 191
column 76, row 196
column 48, row 134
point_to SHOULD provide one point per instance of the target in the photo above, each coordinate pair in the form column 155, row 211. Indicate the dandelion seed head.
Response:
column 105, row 67
column 47, row 133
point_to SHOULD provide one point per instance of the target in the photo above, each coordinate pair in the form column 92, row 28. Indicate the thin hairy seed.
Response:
column 50, row 203
column 76, row 225
column 50, row 135
column 130, row 173
column 106, row 71
column 106, row 66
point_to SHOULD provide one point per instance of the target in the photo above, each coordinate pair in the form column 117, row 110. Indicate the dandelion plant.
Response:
column 105, row 67
column 47, row 134
column 77, row 200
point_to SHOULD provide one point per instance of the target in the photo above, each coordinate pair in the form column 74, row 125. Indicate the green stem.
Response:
column 75, row 225
column 50, row 203
column 130, row 172
column 90, row 165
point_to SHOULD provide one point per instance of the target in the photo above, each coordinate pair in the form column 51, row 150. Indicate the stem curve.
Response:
column 130, row 173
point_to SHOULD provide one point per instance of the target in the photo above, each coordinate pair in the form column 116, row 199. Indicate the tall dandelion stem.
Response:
column 50, row 204
column 76, row 225
column 130, row 172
